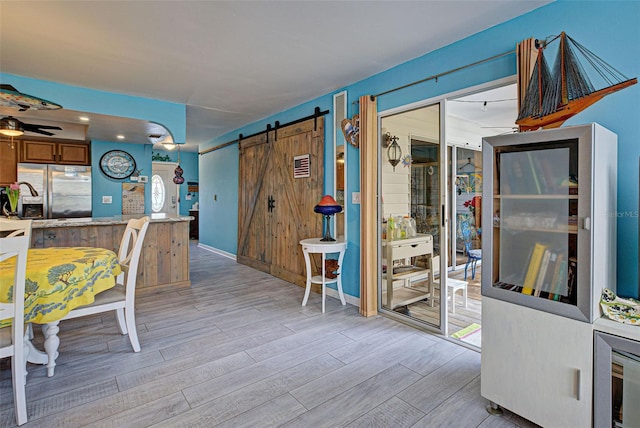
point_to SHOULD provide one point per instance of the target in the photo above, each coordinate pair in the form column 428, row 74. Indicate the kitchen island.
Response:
column 164, row 262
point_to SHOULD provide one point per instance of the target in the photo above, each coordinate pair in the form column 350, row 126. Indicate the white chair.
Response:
column 11, row 228
column 15, row 244
column 121, row 298
column 453, row 285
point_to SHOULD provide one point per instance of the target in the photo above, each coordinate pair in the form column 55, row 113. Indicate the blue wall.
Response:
column 219, row 199
column 610, row 29
column 105, row 186
column 170, row 115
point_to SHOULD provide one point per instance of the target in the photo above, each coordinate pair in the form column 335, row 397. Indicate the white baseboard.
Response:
column 355, row 301
column 218, row 251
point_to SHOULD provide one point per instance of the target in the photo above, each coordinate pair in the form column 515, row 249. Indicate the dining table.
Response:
column 58, row 280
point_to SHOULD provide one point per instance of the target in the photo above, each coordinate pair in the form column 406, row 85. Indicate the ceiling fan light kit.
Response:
column 11, row 127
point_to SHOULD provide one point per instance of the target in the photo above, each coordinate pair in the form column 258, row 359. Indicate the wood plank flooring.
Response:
column 237, row 350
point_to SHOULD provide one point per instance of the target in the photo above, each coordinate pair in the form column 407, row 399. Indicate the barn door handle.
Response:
column 271, row 204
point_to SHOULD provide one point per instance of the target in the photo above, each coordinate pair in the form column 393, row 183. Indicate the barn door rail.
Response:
column 316, row 114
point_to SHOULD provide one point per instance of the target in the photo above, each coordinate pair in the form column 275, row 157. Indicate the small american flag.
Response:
column 301, row 166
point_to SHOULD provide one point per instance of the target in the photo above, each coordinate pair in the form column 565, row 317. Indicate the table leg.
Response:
column 324, row 288
column 452, row 293
column 307, row 263
column 51, row 343
column 339, row 283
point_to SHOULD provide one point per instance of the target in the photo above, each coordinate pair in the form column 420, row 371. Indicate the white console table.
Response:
column 316, row 245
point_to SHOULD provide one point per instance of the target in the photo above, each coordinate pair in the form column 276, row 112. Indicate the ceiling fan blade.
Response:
column 31, row 127
column 39, row 131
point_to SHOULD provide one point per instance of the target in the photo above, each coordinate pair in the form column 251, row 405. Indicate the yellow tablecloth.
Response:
column 59, row 280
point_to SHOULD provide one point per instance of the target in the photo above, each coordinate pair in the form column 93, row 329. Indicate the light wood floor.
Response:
column 238, row 350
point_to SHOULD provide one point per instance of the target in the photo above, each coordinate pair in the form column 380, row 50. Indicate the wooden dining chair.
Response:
column 15, row 244
column 121, row 298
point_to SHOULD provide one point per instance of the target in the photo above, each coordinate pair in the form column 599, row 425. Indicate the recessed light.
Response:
column 84, row 118
column 120, row 137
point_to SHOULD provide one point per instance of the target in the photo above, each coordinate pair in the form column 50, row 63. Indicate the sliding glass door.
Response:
column 412, row 183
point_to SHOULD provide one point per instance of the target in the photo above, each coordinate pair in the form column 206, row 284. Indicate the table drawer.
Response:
column 412, row 250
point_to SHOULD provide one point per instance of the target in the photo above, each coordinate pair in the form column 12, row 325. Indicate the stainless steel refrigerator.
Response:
column 63, row 190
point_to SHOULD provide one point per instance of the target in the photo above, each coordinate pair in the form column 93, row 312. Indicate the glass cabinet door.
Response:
column 535, row 241
column 536, row 207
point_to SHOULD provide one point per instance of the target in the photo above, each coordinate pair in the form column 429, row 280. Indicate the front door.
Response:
column 164, row 193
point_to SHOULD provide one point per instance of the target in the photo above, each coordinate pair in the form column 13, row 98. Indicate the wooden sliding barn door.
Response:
column 275, row 209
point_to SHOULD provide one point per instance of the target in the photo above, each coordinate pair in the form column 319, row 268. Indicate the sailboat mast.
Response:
column 563, row 74
column 540, row 89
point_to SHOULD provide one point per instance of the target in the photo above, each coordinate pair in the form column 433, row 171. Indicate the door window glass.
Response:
column 157, row 193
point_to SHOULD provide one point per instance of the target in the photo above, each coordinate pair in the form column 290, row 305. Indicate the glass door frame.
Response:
column 443, row 217
column 446, row 223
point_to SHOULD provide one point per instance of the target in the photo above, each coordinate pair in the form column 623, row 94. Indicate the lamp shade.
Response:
column 327, row 206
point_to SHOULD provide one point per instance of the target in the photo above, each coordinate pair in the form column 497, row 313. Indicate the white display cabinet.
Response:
column 549, row 248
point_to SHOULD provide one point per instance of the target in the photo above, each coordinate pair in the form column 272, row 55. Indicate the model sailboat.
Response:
column 552, row 98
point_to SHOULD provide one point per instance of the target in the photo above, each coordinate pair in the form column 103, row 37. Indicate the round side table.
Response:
column 316, row 245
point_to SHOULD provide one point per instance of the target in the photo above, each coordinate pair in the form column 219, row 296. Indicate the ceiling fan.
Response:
column 12, row 127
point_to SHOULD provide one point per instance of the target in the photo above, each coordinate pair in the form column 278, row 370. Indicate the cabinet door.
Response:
column 8, row 162
column 75, row 154
column 38, row 152
column 537, row 365
column 547, row 223
column 55, row 152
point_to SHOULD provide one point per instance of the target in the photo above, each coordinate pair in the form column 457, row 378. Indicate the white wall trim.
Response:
column 218, row 251
column 355, row 301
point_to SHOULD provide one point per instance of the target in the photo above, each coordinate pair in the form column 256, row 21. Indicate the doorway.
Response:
column 440, row 172
column 412, row 194
column 164, row 192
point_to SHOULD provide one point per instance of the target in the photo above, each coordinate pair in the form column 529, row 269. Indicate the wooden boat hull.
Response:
column 573, row 107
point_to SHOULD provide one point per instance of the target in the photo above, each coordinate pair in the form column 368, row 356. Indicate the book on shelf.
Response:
column 542, row 272
column 534, row 266
column 554, row 284
column 572, row 277
column 548, row 272
column 560, row 283
column 536, row 187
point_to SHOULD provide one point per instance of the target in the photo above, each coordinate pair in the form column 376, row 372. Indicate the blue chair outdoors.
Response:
column 473, row 255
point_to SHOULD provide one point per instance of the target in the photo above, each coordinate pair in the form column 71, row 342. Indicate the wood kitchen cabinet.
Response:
column 61, row 152
column 8, row 162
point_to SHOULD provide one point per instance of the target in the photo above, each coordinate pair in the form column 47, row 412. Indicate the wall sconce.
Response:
column 386, row 139
column 394, row 152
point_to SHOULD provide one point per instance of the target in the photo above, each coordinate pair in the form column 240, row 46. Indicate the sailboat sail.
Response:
column 554, row 97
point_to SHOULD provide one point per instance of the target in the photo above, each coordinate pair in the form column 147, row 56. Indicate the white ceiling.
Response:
column 230, row 62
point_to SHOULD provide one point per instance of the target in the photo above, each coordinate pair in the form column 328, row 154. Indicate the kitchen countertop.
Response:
column 120, row 219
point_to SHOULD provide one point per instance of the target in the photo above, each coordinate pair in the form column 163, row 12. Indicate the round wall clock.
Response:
column 117, row 164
